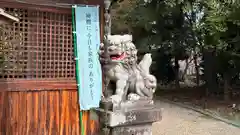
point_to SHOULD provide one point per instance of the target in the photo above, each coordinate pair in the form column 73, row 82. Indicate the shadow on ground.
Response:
column 195, row 97
column 179, row 121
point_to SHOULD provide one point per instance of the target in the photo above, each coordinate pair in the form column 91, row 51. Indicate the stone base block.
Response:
column 144, row 129
column 130, row 118
column 113, row 119
column 128, row 105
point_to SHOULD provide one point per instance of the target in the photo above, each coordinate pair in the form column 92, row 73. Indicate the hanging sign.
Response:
column 89, row 69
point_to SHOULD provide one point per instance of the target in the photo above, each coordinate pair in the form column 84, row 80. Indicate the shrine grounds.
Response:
column 181, row 121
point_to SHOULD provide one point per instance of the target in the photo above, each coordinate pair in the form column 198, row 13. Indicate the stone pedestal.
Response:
column 130, row 118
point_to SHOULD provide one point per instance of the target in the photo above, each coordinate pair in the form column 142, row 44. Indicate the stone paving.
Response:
column 180, row 121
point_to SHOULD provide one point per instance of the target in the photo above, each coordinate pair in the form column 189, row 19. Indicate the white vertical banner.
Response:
column 89, row 68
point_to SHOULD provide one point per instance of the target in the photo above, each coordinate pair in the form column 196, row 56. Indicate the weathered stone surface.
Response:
column 132, row 80
column 133, row 117
column 141, row 129
column 106, row 105
column 128, row 105
column 145, row 129
column 130, row 118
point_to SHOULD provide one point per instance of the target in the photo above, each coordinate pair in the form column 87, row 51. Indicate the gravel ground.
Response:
column 180, row 121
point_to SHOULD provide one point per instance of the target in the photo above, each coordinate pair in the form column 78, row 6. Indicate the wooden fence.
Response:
column 42, row 112
column 38, row 93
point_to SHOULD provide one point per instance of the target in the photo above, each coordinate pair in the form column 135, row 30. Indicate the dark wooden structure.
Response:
column 38, row 93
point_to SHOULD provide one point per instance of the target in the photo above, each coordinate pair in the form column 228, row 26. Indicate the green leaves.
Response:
column 177, row 25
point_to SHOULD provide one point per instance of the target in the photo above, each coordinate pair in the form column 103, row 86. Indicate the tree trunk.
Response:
column 210, row 73
column 226, row 87
column 185, row 70
column 176, row 70
column 196, row 69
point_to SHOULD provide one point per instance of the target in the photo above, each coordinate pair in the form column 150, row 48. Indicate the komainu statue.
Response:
column 132, row 80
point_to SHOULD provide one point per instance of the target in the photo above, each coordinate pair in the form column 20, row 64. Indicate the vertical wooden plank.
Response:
column 85, row 122
column 45, row 112
column 67, row 119
column 74, row 113
column 9, row 109
column 72, row 109
column 48, row 115
column 56, row 111
column 42, row 112
column 32, row 113
column 50, row 112
column 29, row 113
column 82, row 123
column 7, row 114
column 53, row 112
column 12, row 107
column 36, row 112
column 70, row 112
column 15, row 103
column 22, row 112
column 2, row 113
column 76, row 109
column 62, row 113
column 88, row 128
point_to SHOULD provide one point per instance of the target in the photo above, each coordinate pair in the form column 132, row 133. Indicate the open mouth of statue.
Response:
column 117, row 57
